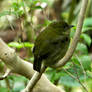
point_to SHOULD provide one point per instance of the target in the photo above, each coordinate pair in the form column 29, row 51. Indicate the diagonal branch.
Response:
column 24, row 68
column 34, row 80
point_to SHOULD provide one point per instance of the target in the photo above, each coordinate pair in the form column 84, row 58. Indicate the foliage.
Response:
column 78, row 66
column 21, row 45
column 16, row 84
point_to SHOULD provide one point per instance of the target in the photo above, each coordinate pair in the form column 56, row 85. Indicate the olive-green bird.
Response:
column 51, row 44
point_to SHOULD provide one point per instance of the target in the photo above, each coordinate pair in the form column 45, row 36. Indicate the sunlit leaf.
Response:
column 20, row 45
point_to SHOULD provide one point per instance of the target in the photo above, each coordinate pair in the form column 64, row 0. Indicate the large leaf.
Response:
column 3, row 89
column 20, row 45
column 68, row 81
column 86, row 38
column 86, row 62
column 88, row 22
column 83, row 60
column 85, row 29
column 82, row 48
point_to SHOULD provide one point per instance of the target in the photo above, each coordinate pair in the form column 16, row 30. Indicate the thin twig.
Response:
column 10, row 23
column 34, row 80
column 29, row 20
column 77, row 79
column 84, row 72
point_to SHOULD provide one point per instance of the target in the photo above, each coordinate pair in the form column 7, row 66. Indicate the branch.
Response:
column 76, row 37
column 34, row 80
column 24, row 68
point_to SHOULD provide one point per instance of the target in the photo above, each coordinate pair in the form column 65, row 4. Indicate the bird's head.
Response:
column 61, row 26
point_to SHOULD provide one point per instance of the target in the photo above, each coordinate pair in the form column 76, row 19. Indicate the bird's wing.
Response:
column 48, row 46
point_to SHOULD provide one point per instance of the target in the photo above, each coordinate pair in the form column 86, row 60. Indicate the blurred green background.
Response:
column 20, row 23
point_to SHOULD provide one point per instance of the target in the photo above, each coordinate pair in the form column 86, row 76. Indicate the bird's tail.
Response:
column 37, row 64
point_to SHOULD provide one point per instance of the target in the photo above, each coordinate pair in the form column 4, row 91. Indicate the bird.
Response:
column 51, row 44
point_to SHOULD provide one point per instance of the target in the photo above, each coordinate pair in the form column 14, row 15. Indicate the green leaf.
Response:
column 1, row 66
column 85, row 29
column 68, row 81
column 33, row 2
column 20, row 45
column 82, row 48
column 36, row 7
column 54, row 75
column 30, row 0
column 2, row 89
column 51, row 75
column 5, row 13
column 86, row 62
column 75, row 60
column 18, row 87
column 86, row 38
column 17, row 79
column 19, row 83
column 15, row 6
column 88, row 22
column 46, row 22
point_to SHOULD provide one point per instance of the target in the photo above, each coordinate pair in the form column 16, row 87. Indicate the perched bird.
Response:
column 51, row 44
